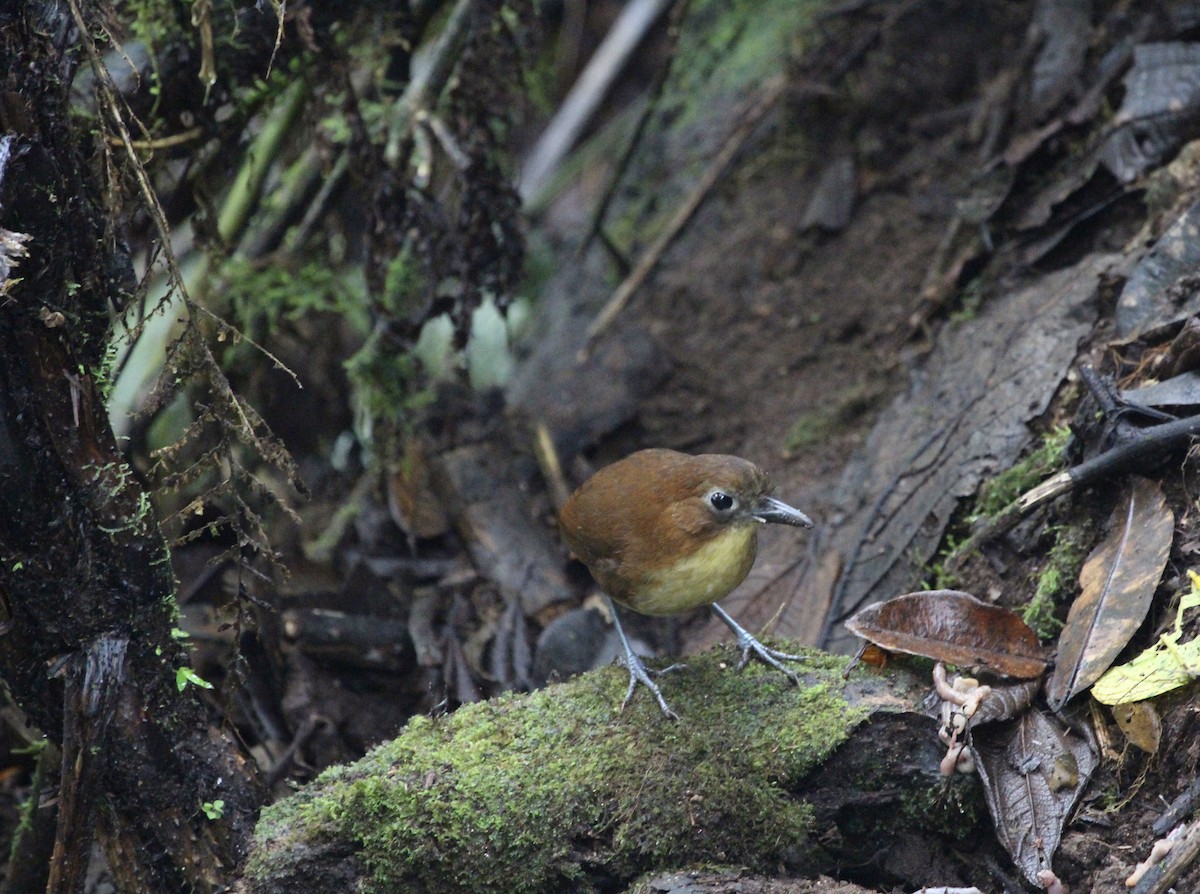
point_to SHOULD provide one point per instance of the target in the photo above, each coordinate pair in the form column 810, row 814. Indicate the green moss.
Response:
column 821, row 424
column 1054, row 584
column 727, row 46
column 955, row 801
column 727, row 50
column 260, row 298
column 997, row 492
column 464, row 802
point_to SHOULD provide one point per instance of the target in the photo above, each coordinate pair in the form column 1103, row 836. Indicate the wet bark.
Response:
column 86, row 588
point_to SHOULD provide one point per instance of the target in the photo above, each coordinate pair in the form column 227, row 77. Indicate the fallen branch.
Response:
column 756, row 110
column 1131, row 456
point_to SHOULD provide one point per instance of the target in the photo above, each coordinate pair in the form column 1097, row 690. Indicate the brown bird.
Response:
column 663, row 532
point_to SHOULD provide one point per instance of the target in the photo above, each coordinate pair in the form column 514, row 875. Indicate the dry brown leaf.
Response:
column 954, row 627
column 1140, row 723
column 1033, row 771
column 1117, row 583
column 412, row 501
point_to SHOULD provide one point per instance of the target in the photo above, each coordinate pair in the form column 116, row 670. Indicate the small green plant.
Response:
column 939, row 578
column 185, row 675
column 997, row 492
column 263, row 297
column 969, row 301
column 214, row 810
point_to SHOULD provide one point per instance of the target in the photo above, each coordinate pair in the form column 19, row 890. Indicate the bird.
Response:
column 663, row 532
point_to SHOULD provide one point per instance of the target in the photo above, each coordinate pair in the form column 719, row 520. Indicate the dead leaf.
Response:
column 1006, row 702
column 954, row 627
column 1166, row 665
column 1179, row 391
column 832, row 202
column 1140, row 724
column 1033, row 770
column 904, row 487
column 412, row 502
column 1117, row 583
column 1149, row 298
column 1158, row 112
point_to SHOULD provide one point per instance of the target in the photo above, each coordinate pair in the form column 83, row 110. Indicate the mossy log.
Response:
column 561, row 790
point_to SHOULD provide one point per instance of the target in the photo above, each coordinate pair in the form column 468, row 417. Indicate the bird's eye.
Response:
column 721, row 501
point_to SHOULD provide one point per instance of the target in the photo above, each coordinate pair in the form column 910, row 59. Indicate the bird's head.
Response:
column 713, row 492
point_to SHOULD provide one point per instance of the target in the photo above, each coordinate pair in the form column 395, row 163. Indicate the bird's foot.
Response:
column 749, row 645
column 637, row 670
column 639, row 673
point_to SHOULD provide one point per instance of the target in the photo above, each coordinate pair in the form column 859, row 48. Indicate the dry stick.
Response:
column 584, row 98
column 193, row 133
column 548, row 460
column 1179, row 810
column 1164, row 438
column 419, row 92
column 757, row 110
column 1161, row 877
column 674, row 23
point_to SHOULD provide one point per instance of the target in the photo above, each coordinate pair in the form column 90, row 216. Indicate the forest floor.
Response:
column 779, row 331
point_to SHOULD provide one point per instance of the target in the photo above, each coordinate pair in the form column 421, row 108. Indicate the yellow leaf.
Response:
column 1164, row 666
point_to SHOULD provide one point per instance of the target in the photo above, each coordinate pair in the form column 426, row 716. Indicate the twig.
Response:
column 547, row 458
column 678, row 11
column 420, row 90
column 584, row 97
column 178, row 139
column 1179, row 810
column 1150, row 441
column 757, row 109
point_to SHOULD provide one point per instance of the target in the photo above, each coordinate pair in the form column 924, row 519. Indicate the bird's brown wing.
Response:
column 618, row 521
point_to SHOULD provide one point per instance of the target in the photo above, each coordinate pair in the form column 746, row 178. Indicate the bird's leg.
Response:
column 637, row 670
column 747, row 643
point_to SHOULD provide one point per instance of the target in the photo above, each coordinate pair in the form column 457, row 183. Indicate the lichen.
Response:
column 536, row 792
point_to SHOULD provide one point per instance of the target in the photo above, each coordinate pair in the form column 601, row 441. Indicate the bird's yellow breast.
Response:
column 702, row 577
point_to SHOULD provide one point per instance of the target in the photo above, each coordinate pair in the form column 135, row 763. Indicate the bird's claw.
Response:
column 749, row 645
column 747, row 642
column 639, row 673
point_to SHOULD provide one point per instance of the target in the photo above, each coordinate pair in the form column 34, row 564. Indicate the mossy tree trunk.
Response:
column 85, row 580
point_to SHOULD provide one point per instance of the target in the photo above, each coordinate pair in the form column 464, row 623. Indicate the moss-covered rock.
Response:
column 560, row 790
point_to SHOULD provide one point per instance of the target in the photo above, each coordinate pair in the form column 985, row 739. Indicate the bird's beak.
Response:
column 771, row 510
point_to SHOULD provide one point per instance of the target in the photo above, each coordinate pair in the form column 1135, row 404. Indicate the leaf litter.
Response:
column 1117, row 584
column 1164, row 666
